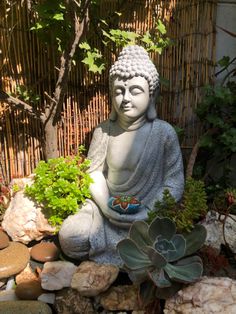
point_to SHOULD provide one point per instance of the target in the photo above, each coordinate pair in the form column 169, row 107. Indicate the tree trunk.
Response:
column 50, row 140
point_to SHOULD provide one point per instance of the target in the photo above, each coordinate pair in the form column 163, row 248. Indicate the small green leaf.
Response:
column 161, row 27
column 58, row 17
column 84, row 45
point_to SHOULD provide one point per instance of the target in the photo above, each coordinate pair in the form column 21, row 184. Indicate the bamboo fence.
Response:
column 188, row 65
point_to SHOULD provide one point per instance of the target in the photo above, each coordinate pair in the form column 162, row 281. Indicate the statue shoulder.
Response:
column 164, row 127
column 102, row 127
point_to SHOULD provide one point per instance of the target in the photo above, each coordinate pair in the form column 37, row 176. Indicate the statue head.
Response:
column 133, row 61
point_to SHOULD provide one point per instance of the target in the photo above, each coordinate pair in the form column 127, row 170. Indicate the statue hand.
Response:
column 125, row 220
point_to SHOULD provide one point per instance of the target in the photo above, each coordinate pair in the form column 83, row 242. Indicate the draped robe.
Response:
column 160, row 167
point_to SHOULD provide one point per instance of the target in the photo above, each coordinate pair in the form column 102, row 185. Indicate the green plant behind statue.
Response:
column 187, row 212
column 159, row 259
column 60, row 185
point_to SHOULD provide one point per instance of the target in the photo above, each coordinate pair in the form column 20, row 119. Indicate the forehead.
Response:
column 138, row 81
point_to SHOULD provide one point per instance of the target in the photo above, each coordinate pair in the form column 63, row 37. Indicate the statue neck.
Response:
column 132, row 125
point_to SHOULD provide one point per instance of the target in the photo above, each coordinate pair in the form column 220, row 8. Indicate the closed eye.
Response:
column 118, row 91
column 136, row 91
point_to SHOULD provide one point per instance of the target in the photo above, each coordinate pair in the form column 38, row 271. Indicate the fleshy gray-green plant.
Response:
column 159, row 259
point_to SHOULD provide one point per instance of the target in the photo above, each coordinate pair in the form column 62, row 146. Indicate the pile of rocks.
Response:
column 36, row 273
column 36, row 278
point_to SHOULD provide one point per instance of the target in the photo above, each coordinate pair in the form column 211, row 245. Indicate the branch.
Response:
column 19, row 104
column 65, row 66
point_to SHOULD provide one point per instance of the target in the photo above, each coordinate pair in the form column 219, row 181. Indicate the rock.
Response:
column 57, row 275
column 121, row 298
column 45, row 252
column 8, row 295
column 24, row 307
column 19, row 184
column 26, row 275
column 4, row 240
column 70, row 301
column 30, row 290
column 91, row 278
column 13, row 259
column 209, row 295
column 215, row 231
column 47, row 298
column 24, row 221
column 3, row 282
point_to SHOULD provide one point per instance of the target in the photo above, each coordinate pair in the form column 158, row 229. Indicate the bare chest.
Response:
column 126, row 149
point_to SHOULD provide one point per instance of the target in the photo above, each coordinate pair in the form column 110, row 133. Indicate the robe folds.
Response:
column 160, row 167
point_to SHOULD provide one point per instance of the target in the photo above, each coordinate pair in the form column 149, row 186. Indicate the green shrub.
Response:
column 60, row 185
column 189, row 210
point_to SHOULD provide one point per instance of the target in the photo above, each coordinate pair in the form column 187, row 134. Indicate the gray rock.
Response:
column 8, row 295
column 91, row 278
column 24, row 221
column 13, row 259
column 209, row 295
column 24, row 307
column 214, row 229
column 57, row 275
column 47, row 298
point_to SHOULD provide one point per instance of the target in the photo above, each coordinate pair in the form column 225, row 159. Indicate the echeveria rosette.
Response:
column 156, row 252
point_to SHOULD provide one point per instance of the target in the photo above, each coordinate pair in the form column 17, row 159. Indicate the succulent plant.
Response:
column 155, row 253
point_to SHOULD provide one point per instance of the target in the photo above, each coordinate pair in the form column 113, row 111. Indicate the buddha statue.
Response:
column 133, row 153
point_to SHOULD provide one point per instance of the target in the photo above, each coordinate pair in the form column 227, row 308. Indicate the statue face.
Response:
column 130, row 97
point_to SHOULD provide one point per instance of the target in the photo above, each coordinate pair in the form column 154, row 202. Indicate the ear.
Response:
column 113, row 114
column 151, row 112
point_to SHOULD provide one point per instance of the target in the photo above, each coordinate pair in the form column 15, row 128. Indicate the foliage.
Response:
column 217, row 112
column 192, row 207
column 155, row 256
column 153, row 41
column 5, row 197
column 60, row 185
column 54, row 27
column 27, row 95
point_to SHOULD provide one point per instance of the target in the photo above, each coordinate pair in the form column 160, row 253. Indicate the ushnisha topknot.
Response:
column 134, row 61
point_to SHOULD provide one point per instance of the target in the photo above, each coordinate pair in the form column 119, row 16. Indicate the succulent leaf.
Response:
column 161, row 226
column 164, row 245
column 147, row 292
column 132, row 256
column 156, row 258
column 195, row 239
column 138, row 275
column 159, row 278
column 179, row 244
column 184, row 273
column 189, row 260
column 139, row 233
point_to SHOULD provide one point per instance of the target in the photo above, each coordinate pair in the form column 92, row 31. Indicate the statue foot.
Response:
column 74, row 235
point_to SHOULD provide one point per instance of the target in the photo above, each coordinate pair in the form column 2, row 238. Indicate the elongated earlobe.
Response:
column 113, row 114
column 151, row 112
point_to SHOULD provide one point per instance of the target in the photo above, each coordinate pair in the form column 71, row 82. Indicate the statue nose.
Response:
column 126, row 97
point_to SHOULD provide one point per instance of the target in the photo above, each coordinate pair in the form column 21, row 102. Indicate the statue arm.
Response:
column 173, row 167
